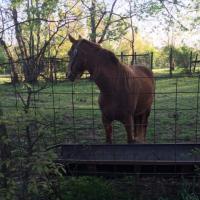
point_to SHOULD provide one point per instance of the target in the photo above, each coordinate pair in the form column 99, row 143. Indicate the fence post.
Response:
column 170, row 62
column 55, row 70
column 50, row 63
column 195, row 64
column 122, row 57
column 151, row 63
column 190, row 64
column 135, row 58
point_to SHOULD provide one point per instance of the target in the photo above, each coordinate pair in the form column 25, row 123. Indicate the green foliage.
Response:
column 2, row 60
column 2, row 56
column 16, row 3
column 96, row 188
column 186, row 191
column 89, row 188
column 117, row 30
column 48, row 7
column 30, row 171
column 128, row 188
column 154, row 8
column 180, row 56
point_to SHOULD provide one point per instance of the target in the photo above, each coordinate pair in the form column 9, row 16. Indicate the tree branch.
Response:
column 172, row 16
column 100, row 19
column 108, row 23
column 14, row 75
column 18, row 33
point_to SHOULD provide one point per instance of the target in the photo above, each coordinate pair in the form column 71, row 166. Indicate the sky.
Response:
column 156, row 31
column 160, row 37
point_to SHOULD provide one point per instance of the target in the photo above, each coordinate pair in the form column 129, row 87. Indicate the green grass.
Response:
column 63, row 117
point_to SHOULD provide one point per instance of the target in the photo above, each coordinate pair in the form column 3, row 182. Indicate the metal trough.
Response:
column 177, row 159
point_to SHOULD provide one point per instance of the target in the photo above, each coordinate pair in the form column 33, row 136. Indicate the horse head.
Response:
column 76, row 65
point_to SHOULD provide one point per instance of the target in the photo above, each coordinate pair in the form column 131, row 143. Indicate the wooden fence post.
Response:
column 190, row 64
column 170, row 62
column 195, row 64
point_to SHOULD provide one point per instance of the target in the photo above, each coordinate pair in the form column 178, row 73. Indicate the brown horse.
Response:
column 126, row 93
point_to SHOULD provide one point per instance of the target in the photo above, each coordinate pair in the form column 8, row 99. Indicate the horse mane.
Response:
column 110, row 65
column 106, row 53
column 110, row 55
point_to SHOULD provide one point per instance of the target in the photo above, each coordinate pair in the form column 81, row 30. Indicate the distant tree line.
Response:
column 180, row 57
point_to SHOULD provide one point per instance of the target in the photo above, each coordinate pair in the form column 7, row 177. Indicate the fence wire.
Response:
column 55, row 111
column 69, row 112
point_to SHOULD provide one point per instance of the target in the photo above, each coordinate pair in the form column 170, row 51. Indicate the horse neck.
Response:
column 106, row 75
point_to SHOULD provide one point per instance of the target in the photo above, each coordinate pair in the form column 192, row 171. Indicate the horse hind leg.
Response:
column 145, row 122
column 108, row 129
column 140, row 127
column 137, row 129
column 128, row 124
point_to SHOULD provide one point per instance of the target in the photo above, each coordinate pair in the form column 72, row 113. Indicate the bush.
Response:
column 90, row 188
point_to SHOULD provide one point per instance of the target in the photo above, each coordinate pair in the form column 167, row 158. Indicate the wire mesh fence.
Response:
column 145, row 59
column 38, row 116
column 69, row 112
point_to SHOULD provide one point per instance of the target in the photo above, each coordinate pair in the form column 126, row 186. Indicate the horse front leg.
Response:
column 108, row 129
column 128, row 124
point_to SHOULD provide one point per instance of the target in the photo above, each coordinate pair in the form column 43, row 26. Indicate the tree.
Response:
column 34, row 34
column 104, row 23
column 5, row 48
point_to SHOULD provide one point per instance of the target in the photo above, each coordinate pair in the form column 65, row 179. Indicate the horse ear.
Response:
column 71, row 39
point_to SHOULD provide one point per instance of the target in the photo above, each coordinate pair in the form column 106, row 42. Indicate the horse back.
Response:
column 143, row 70
column 144, row 79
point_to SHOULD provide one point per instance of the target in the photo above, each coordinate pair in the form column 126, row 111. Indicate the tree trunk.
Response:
column 93, row 21
column 14, row 74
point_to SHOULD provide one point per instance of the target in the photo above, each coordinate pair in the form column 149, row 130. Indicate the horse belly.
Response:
column 114, row 108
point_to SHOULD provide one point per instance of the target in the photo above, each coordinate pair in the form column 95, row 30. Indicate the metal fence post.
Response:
column 151, row 61
column 122, row 57
column 170, row 62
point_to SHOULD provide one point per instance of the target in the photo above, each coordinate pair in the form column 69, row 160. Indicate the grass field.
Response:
column 70, row 113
